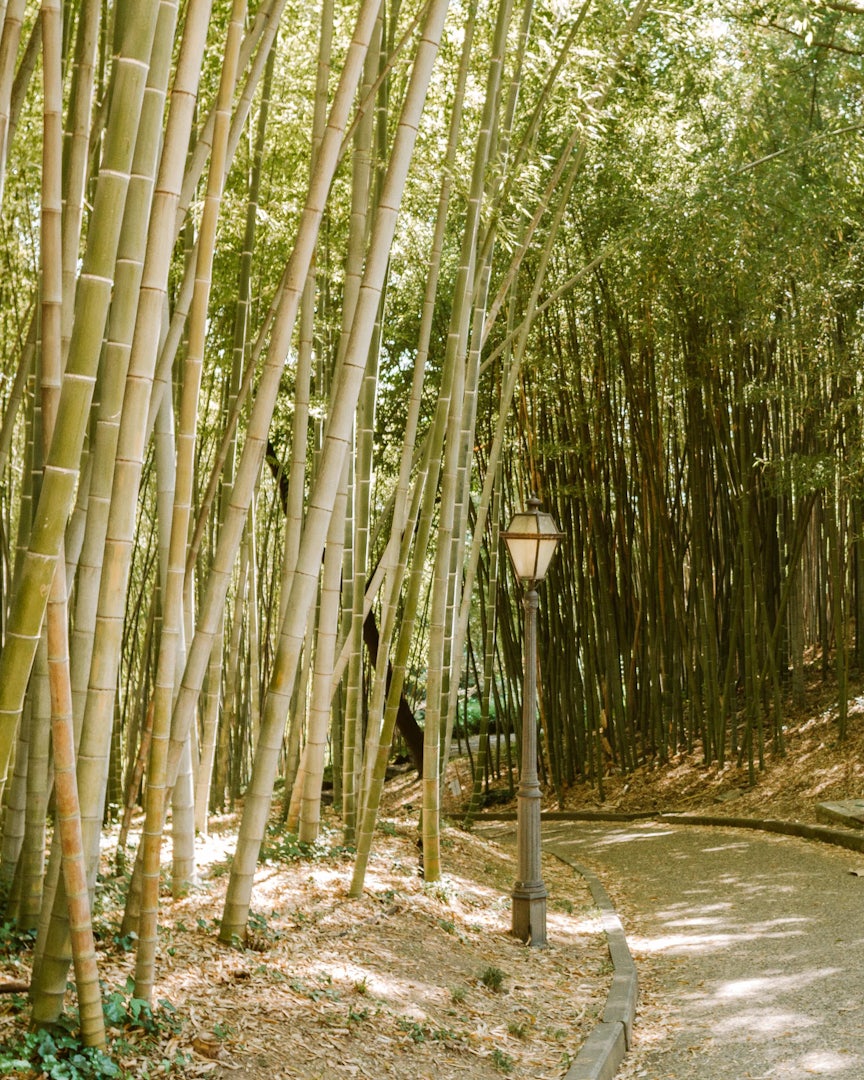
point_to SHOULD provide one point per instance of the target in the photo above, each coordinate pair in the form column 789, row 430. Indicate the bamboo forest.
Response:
column 300, row 303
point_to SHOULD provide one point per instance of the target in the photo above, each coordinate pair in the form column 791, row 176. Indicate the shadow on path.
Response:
column 750, row 949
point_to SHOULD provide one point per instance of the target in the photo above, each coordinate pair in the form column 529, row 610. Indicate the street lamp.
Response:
column 531, row 540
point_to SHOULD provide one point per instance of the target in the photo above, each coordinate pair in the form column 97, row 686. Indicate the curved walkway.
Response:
column 750, row 949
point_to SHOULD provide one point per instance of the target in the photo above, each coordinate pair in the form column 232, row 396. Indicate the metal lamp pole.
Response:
column 531, row 540
column 529, row 894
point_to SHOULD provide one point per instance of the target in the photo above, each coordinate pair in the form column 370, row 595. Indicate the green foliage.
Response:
column 58, row 1054
column 316, row 993
column 14, row 940
column 503, row 1062
column 493, row 978
column 420, row 1033
column 471, row 713
column 111, row 892
column 280, row 846
column 125, row 1012
column 125, row 942
column 259, row 933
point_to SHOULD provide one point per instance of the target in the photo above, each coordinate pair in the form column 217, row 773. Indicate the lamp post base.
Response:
column 529, row 913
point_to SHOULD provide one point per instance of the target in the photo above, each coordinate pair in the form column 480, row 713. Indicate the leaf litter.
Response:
column 397, row 984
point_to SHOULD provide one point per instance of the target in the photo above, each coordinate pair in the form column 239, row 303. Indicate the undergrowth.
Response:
column 280, row 846
column 136, row 1034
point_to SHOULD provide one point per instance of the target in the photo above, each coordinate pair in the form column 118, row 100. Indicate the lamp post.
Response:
column 531, row 539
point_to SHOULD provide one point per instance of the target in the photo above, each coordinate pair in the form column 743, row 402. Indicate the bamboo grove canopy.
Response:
column 299, row 301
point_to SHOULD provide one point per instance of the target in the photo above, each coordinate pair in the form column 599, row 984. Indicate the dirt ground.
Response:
column 418, row 980
column 412, row 980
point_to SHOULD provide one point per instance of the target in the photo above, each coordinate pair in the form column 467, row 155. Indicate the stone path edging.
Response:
column 839, row 837
column 603, row 1051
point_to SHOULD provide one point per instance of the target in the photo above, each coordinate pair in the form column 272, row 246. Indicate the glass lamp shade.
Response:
column 531, row 539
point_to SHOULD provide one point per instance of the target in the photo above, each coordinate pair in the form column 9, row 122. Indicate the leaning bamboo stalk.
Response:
column 532, row 306
column 171, row 642
column 382, row 708
column 456, row 348
column 63, row 739
column 91, row 307
column 426, row 489
column 325, row 651
column 295, row 497
column 259, row 421
column 68, row 817
column 11, row 35
column 93, row 752
column 121, row 327
column 77, row 152
column 344, row 402
column 257, row 47
column 241, row 330
column 435, row 681
column 454, row 641
column 99, row 709
column 360, row 463
column 182, row 818
column 305, row 351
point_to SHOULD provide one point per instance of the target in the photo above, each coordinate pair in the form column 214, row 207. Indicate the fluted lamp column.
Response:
column 531, row 539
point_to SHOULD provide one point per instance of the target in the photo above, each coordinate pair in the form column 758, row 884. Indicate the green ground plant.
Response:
column 492, row 978
column 135, row 1028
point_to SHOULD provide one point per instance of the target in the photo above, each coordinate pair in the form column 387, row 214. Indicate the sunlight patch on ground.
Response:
column 821, row 1063
column 753, row 887
column 742, row 988
column 683, row 910
column 412, row 996
column 568, row 929
column 696, row 920
column 763, row 1022
column 630, row 837
column 687, row 944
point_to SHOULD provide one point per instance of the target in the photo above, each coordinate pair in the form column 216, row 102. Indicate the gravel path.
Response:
column 750, row 949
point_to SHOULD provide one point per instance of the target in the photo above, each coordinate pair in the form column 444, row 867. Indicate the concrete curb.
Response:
column 604, row 1049
column 567, row 815
column 839, row 837
column 853, row 840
